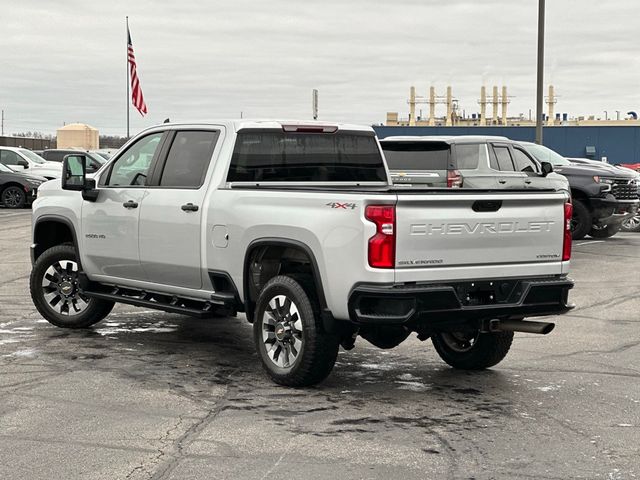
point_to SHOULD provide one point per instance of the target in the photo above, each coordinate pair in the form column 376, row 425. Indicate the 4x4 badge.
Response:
column 345, row 206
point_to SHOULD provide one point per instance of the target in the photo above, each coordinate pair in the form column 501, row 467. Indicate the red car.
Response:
column 632, row 166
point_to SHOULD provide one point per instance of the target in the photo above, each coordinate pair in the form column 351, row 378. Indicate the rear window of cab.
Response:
column 279, row 156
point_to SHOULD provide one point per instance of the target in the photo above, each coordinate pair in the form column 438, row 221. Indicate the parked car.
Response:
column 20, row 159
column 94, row 161
column 105, row 153
column 467, row 161
column 18, row 189
column 604, row 196
column 299, row 226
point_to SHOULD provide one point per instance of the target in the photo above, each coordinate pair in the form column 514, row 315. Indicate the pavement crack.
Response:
column 176, row 452
column 147, row 467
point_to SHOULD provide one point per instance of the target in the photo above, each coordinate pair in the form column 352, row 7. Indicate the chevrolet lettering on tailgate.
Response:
column 479, row 228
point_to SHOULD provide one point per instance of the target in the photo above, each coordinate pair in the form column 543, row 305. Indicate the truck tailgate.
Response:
column 458, row 231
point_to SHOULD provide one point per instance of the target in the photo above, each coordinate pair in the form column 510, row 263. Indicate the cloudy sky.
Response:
column 65, row 61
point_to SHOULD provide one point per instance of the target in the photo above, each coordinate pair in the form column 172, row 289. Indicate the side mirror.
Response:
column 74, row 176
column 74, row 172
column 547, row 168
column 22, row 163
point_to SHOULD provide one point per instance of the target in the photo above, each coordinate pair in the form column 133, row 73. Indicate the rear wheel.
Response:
column 604, row 232
column 288, row 334
column 56, row 294
column 472, row 350
column 580, row 221
column 14, row 197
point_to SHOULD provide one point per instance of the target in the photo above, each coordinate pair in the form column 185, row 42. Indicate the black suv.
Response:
column 603, row 196
column 94, row 161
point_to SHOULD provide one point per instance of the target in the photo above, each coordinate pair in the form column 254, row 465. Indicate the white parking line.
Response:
column 589, row 243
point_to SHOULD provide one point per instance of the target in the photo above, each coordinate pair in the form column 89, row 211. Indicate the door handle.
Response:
column 189, row 207
column 502, row 182
column 528, row 182
column 130, row 204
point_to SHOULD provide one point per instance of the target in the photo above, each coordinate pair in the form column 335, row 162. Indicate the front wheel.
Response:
column 288, row 333
column 14, row 197
column 604, row 232
column 56, row 293
column 580, row 221
column 472, row 350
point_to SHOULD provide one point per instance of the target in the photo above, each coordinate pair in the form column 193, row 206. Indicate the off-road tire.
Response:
column 488, row 350
column 96, row 309
column 605, row 232
column 319, row 350
column 581, row 221
column 13, row 197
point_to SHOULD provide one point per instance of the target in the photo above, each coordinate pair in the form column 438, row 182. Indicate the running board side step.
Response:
column 160, row 301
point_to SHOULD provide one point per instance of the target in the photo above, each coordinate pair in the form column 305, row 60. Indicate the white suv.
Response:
column 21, row 159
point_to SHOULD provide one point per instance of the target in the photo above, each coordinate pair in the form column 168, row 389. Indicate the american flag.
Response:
column 136, row 92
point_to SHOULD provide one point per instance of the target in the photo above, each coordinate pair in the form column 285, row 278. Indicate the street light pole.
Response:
column 540, row 78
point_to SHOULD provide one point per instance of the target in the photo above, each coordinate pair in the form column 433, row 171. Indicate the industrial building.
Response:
column 613, row 140
column 498, row 102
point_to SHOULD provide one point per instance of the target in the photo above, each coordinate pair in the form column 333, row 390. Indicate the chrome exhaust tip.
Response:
column 541, row 328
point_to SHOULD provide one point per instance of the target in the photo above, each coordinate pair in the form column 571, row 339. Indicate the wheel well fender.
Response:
column 11, row 184
column 267, row 257
column 580, row 195
column 52, row 230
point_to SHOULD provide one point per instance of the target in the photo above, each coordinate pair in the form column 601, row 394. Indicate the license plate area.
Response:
column 488, row 292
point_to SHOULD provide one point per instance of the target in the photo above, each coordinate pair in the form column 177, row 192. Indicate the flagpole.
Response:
column 127, row 20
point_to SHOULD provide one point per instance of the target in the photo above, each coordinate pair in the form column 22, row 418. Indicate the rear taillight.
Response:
column 454, row 179
column 382, row 246
column 566, row 245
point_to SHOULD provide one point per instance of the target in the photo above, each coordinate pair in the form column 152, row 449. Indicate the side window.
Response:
column 133, row 165
column 468, row 155
column 56, row 156
column 7, row 157
column 188, row 159
column 493, row 163
column 523, row 162
column 505, row 164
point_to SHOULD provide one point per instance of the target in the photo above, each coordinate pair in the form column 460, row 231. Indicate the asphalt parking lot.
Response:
column 153, row 395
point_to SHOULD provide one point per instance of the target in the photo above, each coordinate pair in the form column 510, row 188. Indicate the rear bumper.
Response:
column 459, row 301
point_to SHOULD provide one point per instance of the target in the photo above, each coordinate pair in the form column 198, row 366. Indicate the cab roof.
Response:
column 241, row 124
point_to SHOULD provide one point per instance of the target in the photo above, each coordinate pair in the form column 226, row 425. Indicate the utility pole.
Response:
column 314, row 103
column 540, row 77
column 2, row 124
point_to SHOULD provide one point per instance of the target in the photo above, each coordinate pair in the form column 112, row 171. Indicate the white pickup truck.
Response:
column 298, row 225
